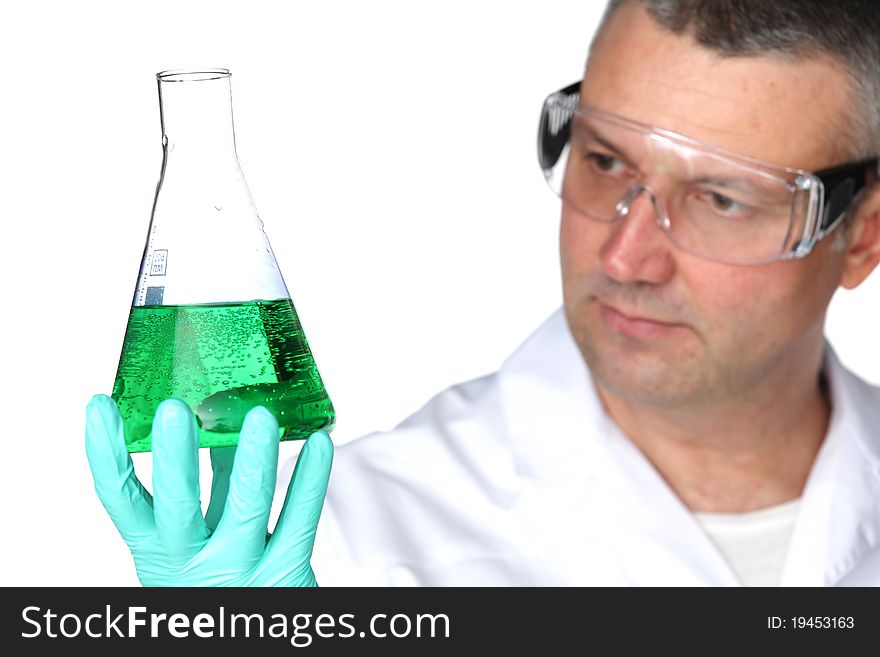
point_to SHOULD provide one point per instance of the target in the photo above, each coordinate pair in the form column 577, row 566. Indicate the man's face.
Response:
column 657, row 325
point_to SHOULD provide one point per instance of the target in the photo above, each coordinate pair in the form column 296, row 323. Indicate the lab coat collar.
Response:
column 550, row 405
column 838, row 521
column 561, row 436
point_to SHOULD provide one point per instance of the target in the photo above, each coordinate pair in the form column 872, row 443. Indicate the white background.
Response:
column 390, row 149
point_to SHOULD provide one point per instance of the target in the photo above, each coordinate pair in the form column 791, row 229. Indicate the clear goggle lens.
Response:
column 710, row 202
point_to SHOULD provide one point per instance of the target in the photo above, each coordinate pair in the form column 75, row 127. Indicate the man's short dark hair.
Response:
column 846, row 30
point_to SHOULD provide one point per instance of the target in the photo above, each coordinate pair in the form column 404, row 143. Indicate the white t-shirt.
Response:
column 753, row 543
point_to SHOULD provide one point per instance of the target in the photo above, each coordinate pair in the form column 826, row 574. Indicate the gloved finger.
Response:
column 180, row 526
column 252, row 484
column 294, row 536
column 221, row 466
column 117, row 486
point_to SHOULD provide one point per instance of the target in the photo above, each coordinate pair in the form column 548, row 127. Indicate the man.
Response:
column 682, row 420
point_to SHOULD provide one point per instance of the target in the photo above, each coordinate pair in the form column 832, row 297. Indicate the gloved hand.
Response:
column 169, row 538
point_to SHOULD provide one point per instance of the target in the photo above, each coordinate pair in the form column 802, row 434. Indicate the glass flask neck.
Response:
column 196, row 113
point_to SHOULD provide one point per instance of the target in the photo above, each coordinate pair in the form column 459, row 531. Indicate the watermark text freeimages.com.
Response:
column 300, row 629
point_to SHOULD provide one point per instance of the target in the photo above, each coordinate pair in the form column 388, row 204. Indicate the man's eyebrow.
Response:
column 742, row 184
column 596, row 136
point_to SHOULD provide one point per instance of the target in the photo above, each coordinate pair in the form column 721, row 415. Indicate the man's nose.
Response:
column 636, row 249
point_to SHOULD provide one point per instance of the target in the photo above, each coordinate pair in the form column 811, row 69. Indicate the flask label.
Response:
column 155, row 296
column 159, row 262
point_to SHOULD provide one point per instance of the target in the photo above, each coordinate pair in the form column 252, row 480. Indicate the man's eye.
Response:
column 606, row 163
column 724, row 205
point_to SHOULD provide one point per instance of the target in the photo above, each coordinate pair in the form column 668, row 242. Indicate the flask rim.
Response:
column 192, row 74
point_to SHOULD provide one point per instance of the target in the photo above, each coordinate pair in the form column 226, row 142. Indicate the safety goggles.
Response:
column 710, row 202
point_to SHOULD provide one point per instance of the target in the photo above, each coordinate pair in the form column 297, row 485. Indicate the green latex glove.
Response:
column 172, row 543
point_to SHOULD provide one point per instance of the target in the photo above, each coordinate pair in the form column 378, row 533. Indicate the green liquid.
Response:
column 222, row 360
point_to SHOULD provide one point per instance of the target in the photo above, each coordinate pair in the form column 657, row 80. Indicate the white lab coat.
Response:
column 520, row 478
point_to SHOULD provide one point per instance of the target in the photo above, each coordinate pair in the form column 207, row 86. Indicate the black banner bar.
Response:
column 434, row 620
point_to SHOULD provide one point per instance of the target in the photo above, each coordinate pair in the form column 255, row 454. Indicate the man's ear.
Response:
column 862, row 250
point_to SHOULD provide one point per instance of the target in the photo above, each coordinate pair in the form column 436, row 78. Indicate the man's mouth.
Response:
column 633, row 324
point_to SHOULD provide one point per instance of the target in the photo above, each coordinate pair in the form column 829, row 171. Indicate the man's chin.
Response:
column 642, row 373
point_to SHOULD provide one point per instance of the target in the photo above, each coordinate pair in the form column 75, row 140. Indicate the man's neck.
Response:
column 742, row 455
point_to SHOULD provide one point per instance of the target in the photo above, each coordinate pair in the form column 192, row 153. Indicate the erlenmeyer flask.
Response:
column 212, row 322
